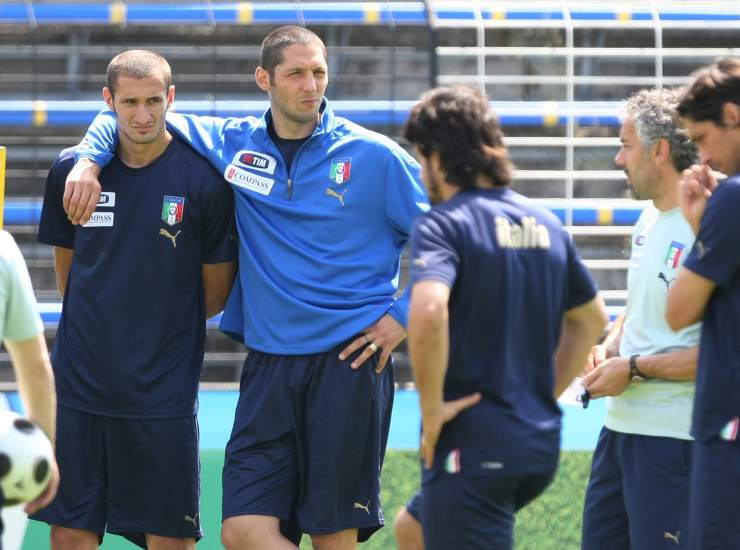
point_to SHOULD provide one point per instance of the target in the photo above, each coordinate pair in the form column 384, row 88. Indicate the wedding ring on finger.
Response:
column 373, row 346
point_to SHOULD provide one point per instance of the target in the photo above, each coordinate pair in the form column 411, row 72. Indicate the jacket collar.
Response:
column 324, row 127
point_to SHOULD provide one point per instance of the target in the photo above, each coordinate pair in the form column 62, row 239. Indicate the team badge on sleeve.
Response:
column 673, row 255
column 172, row 209
column 339, row 170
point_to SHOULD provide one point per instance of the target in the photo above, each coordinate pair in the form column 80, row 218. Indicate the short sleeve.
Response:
column 19, row 313
column 716, row 254
column 219, row 233
column 54, row 228
column 581, row 287
column 433, row 254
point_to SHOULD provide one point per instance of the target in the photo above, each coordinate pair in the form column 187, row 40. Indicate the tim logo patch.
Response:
column 339, row 170
column 172, row 209
column 673, row 254
column 255, row 161
column 107, row 199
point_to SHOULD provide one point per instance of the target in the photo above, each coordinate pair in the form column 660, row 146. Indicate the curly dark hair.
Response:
column 712, row 87
column 458, row 123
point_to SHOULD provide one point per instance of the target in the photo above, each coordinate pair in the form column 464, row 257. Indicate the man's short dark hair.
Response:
column 138, row 64
column 271, row 51
column 459, row 124
column 712, row 87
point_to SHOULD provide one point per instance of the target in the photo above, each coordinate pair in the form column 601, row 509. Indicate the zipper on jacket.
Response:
column 289, row 192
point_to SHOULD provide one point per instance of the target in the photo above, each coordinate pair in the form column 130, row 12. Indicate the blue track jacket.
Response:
column 320, row 246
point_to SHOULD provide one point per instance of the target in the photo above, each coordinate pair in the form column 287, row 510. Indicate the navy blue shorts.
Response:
column 126, row 476
column 715, row 495
column 468, row 512
column 308, row 443
column 413, row 506
column 638, row 494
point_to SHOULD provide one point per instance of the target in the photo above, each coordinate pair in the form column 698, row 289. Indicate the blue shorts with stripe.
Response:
column 130, row 477
column 638, row 493
column 308, row 443
column 715, row 493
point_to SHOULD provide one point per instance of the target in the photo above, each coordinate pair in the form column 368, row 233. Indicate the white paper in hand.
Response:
column 572, row 394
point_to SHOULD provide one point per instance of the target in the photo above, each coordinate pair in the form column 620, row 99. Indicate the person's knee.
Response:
column 156, row 542
column 407, row 531
column 249, row 532
column 343, row 540
column 64, row 538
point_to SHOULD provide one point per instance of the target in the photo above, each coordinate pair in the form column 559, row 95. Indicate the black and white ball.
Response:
column 25, row 459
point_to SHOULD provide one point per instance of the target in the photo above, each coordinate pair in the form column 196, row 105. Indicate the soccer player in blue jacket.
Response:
column 324, row 208
column 138, row 281
column 708, row 288
column 503, row 316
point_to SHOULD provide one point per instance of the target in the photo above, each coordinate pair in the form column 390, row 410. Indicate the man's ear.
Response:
column 661, row 151
column 170, row 96
column 108, row 97
column 731, row 114
column 262, row 77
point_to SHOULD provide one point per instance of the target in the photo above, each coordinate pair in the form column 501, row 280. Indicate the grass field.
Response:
column 552, row 522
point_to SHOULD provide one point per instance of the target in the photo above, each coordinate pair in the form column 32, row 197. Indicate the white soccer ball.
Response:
column 26, row 456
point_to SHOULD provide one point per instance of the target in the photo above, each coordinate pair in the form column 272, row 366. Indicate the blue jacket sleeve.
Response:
column 405, row 199
column 101, row 139
column 207, row 135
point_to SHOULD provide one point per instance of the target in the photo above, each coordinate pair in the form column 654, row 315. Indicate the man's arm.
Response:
column 82, row 190
column 62, row 264
column 429, row 349
column 217, row 282
column 36, row 387
column 687, row 299
column 609, row 347
column 581, row 328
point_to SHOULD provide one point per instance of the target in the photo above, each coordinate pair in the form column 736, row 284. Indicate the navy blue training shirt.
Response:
column 513, row 272
column 716, row 256
column 131, row 336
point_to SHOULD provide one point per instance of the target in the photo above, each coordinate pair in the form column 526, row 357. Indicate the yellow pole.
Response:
column 2, row 185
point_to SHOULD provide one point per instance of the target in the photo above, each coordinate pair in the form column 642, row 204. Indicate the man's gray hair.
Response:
column 654, row 114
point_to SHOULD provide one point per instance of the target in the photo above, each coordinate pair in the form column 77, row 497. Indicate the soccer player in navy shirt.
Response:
column 708, row 289
column 503, row 315
column 138, row 280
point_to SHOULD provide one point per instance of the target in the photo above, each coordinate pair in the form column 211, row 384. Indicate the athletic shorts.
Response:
column 638, row 494
column 467, row 512
column 413, row 506
column 130, row 477
column 715, row 495
column 308, row 443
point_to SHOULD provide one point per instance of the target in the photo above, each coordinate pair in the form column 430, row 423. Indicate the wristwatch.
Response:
column 635, row 374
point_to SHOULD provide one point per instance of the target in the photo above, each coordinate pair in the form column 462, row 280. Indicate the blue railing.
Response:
column 344, row 13
column 511, row 113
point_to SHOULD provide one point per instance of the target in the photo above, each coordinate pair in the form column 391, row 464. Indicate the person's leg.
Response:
column 656, row 491
column 261, row 477
column 254, row 532
column 715, row 493
column 65, row 538
column 407, row 525
column 605, row 524
column 77, row 515
column 154, row 481
column 341, row 540
column 469, row 513
column 156, row 542
column 345, row 422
